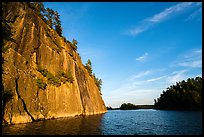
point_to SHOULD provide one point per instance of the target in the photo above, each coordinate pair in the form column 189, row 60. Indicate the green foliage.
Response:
column 48, row 15
column 57, row 23
column 98, row 82
column 51, row 78
column 109, row 108
column 183, row 95
column 88, row 67
column 39, row 8
column 74, row 44
column 66, row 77
column 128, row 106
column 56, row 80
column 69, row 77
column 41, row 84
column 51, row 18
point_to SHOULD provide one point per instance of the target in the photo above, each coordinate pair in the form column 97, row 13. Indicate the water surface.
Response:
column 117, row 122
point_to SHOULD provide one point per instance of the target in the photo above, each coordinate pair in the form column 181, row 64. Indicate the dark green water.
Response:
column 117, row 122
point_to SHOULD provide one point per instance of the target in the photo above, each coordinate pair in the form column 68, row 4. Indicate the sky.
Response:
column 138, row 49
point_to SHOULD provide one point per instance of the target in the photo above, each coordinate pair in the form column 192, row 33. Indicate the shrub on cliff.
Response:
column 65, row 77
column 41, row 84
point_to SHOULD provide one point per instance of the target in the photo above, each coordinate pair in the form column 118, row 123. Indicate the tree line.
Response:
column 182, row 95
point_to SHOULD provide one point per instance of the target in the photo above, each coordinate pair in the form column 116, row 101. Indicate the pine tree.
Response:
column 57, row 23
column 89, row 67
column 49, row 14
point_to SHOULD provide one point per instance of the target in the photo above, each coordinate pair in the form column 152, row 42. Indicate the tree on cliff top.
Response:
column 50, row 16
column 57, row 24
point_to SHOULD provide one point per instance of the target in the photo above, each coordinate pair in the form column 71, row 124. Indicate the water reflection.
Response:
column 117, row 122
column 61, row 126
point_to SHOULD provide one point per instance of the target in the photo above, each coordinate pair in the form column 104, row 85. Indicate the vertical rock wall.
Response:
column 31, row 45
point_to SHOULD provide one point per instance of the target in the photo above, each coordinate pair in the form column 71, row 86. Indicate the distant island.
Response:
column 130, row 106
column 185, row 95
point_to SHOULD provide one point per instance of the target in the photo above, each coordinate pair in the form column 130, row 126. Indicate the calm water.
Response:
column 117, row 122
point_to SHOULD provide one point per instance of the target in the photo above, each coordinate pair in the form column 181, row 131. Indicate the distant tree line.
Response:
column 183, row 95
column 130, row 106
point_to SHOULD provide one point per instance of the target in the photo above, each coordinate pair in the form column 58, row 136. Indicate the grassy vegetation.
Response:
column 57, row 79
column 41, row 84
column 65, row 76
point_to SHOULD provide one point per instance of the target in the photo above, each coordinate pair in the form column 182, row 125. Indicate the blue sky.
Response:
column 138, row 49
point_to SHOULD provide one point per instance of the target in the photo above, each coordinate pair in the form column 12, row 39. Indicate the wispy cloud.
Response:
column 163, row 15
column 192, row 59
column 156, row 79
column 143, row 90
column 170, row 11
column 176, row 76
column 139, row 29
column 139, row 75
column 194, row 14
column 143, row 57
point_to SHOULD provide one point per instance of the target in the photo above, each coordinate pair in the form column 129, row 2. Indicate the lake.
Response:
column 117, row 122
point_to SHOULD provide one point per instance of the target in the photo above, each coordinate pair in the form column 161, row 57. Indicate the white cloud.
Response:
column 138, row 30
column 139, row 75
column 155, row 79
column 165, row 14
column 142, row 58
column 192, row 59
column 170, row 11
column 194, row 64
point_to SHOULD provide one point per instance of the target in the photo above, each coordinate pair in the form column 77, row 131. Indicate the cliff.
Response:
column 42, row 74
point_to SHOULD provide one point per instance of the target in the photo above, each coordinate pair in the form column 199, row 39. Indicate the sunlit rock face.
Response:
column 29, row 44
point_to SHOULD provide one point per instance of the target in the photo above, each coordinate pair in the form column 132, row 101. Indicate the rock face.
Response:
column 31, row 48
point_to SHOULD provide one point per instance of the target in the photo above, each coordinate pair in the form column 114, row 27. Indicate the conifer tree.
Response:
column 89, row 67
column 57, row 23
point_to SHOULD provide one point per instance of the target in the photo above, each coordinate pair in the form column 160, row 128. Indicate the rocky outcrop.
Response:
column 33, row 57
